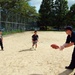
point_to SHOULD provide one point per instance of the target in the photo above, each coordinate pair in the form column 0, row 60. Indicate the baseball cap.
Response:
column 68, row 28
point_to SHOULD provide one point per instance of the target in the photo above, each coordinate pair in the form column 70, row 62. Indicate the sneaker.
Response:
column 70, row 68
column 32, row 48
column 2, row 49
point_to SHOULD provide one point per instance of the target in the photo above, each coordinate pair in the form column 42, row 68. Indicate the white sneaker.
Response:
column 32, row 48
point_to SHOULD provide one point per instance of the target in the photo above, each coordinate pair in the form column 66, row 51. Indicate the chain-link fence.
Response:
column 10, row 21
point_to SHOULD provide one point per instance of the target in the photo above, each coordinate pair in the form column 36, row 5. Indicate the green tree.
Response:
column 70, row 16
column 61, row 7
column 45, row 14
column 18, row 11
column 72, row 10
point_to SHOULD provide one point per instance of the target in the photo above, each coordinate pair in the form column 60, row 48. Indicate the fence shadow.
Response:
column 66, row 72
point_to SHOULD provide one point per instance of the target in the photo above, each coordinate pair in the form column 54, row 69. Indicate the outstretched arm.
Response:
column 69, row 44
column 66, row 45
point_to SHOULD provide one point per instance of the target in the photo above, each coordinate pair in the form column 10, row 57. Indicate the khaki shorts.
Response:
column 34, row 42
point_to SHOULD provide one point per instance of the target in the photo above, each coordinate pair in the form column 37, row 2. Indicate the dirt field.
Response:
column 18, row 59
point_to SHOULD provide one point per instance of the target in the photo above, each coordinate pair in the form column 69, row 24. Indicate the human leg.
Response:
column 72, row 63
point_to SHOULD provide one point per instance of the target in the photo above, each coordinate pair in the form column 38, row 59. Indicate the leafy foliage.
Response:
column 17, row 11
column 52, row 13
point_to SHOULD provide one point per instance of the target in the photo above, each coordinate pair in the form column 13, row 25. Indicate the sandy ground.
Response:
column 18, row 59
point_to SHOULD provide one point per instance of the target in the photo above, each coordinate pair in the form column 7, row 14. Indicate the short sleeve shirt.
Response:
column 34, row 37
column 71, row 38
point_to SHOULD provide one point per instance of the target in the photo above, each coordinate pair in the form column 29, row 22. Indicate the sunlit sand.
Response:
column 18, row 59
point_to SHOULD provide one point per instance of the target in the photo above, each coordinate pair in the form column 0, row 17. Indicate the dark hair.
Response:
column 35, row 31
column 68, row 28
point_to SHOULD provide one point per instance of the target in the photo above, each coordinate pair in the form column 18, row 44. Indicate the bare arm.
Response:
column 69, row 44
column 66, row 45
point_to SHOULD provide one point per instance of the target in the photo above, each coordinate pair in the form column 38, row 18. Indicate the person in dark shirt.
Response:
column 70, row 41
column 1, row 40
column 34, row 39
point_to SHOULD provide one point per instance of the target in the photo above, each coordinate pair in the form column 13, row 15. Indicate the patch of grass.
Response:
column 12, row 32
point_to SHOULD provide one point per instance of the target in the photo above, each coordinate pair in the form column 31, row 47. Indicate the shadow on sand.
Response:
column 26, row 50
column 35, row 74
column 66, row 72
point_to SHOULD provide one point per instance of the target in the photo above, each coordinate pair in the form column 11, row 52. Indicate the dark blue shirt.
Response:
column 34, row 37
column 71, row 38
